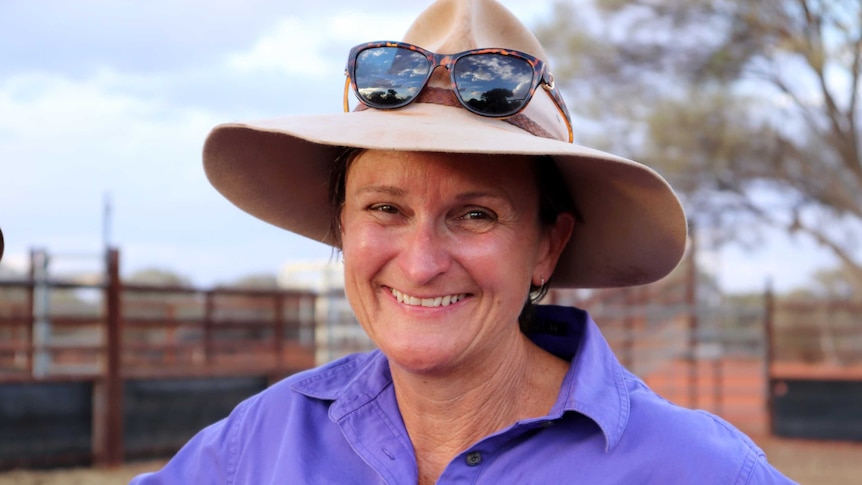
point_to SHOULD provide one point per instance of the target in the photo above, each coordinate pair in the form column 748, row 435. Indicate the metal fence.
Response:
column 682, row 339
column 107, row 332
column 680, row 335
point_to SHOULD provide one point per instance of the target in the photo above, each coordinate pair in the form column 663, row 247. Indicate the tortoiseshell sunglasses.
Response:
column 497, row 83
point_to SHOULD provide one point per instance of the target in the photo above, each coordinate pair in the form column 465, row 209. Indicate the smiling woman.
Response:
column 453, row 218
column 410, row 242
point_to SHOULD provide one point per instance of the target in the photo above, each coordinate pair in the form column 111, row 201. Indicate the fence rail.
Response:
column 695, row 349
column 203, row 330
column 732, row 361
column 108, row 333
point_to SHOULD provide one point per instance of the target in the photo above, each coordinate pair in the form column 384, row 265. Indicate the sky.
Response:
column 107, row 103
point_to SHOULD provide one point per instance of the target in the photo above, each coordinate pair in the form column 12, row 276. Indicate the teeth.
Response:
column 426, row 302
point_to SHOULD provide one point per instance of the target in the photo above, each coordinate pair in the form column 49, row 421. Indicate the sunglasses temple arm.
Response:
column 561, row 107
column 346, row 91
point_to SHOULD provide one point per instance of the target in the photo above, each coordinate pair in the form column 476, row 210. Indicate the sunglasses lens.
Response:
column 390, row 77
column 493, row 84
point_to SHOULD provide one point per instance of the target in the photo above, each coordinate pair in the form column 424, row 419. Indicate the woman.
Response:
column 455, row 199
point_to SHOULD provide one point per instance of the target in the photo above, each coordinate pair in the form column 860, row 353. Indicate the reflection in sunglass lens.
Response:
column 390, row 77
column 493, row 84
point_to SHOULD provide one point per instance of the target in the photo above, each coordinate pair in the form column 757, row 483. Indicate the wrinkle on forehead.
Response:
column 466, row 175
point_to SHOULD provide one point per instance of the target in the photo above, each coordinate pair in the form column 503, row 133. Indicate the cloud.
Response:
column 64, row 143
column 315, row 47
column 116, row 98
column 77, row 37
column 57, row 130
column 287, row 48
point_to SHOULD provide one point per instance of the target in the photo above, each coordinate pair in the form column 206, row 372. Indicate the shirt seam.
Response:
column 624, row 403
column 382, row 470
column 746, row 473
column 233, row 442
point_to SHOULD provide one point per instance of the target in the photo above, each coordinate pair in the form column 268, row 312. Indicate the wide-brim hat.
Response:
column 632, row 228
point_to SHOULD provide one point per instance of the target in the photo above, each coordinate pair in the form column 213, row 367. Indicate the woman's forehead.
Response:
column 397, row 169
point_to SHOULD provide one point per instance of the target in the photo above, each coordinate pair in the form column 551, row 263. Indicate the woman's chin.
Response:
column 426, row 360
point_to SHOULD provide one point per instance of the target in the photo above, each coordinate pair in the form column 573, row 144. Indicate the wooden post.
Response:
column 209, row 309
column 108, row 390
column 691, row 303
column 769, row 353
column 31, row 314
column 628, row 330
column 718, row 384
column 278, row 334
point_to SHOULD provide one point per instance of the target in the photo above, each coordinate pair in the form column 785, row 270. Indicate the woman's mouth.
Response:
column 427, row 302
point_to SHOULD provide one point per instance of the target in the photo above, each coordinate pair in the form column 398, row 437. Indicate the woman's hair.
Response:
column 337, row 181
column 554, row 199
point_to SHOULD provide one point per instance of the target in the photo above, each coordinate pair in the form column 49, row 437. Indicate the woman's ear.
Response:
column 558, row 236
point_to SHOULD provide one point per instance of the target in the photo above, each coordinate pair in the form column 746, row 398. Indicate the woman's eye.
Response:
column 477, row 215
column 386, row 208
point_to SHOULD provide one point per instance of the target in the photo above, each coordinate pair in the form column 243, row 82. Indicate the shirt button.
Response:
column 474, row 458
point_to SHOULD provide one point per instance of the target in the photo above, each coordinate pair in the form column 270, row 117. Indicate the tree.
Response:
column 833, row 284
column 255, row 282
column 157, row 277
column 748, row 107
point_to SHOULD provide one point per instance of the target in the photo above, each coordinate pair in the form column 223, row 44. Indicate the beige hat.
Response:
column 633, row 229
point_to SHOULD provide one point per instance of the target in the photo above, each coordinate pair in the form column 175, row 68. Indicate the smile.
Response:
column 427, row 302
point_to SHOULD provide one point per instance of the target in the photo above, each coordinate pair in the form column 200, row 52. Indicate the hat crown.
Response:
column 450, row 26
column 632, row 229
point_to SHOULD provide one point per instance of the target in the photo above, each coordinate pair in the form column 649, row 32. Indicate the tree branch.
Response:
column 854, row 96
column 816, row 56
column 798, row 226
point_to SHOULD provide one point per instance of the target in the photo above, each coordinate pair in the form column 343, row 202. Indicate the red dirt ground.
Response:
column 808, row 462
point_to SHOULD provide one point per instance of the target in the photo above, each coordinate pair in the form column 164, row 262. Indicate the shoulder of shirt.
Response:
column 696, row 436
column 324, row 383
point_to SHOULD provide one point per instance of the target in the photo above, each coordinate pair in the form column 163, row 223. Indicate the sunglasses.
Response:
column 496, row 83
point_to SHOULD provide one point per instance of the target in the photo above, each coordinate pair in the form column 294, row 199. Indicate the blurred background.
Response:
column 115, row 240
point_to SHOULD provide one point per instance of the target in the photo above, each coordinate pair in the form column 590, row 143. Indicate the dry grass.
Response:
column 79, row 476
column 815, row 462
column 807, row 462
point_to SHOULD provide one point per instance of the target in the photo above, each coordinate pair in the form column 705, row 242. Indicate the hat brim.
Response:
column 633, row 230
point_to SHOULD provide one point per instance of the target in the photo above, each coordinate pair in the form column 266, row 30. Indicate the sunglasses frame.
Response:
column 541, row 76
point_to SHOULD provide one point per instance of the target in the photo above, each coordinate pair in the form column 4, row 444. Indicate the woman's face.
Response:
column 439, row 253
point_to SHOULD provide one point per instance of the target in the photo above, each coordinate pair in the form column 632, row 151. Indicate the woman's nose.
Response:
column 425, row 253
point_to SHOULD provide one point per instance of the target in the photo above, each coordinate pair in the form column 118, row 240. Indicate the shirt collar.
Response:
column 349, row 382
column 594, row 385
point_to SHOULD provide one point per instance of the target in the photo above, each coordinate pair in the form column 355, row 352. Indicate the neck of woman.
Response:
column 445, row 414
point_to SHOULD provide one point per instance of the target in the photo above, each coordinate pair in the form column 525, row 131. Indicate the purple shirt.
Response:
column 340, row 423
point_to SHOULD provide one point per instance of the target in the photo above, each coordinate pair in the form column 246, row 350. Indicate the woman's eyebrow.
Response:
column 395, row 191
column 486, row 194
column 382, row 189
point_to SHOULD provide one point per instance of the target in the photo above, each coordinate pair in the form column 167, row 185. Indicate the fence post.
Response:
column 628, row 330
column 769, row 353
column 31, row 314
column 209, row 310
column 691, row 303
column 108, row 391
column 278, row 335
